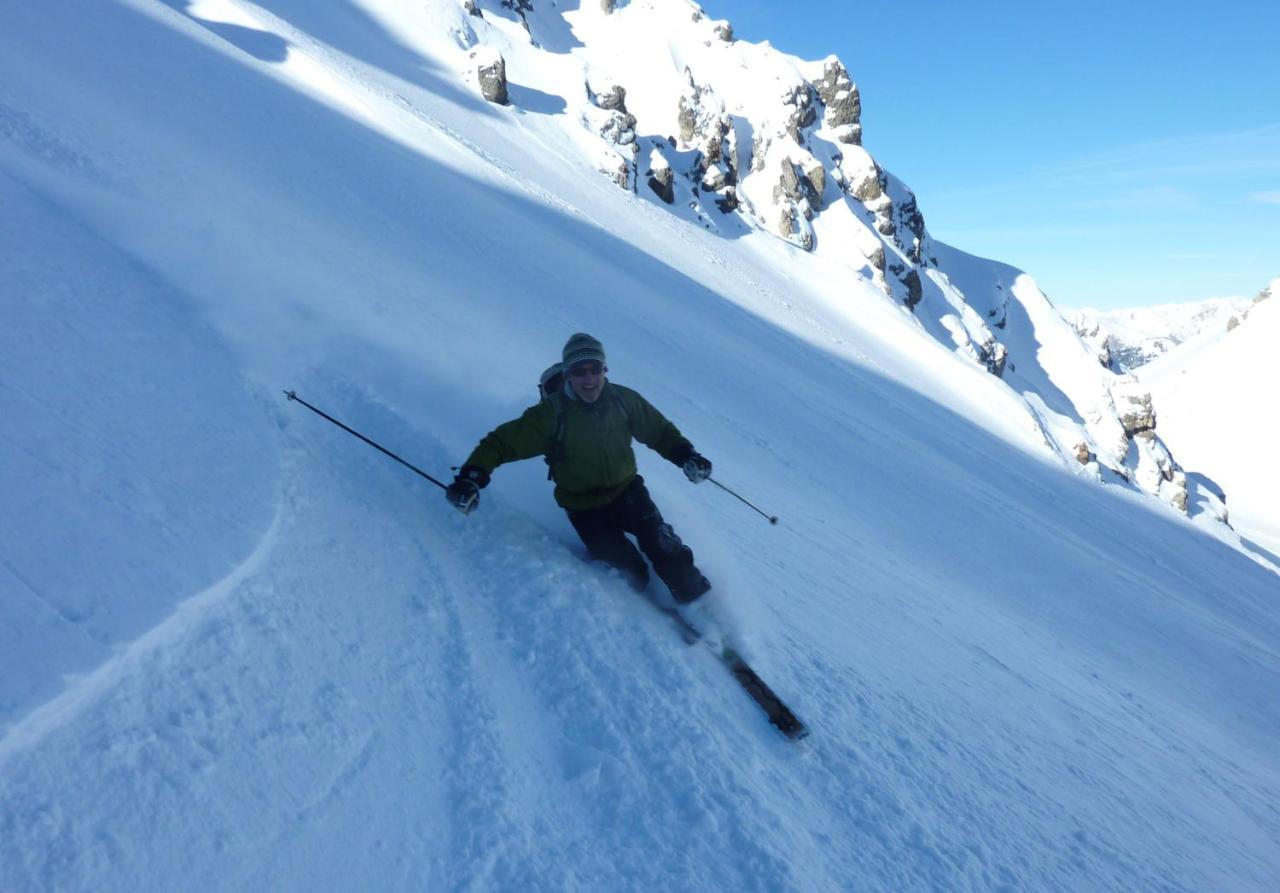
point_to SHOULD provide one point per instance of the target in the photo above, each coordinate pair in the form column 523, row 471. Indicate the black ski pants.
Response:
column 603, row 530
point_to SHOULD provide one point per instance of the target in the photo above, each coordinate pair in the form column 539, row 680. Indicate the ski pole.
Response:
column 292, row 396
column 773, row 519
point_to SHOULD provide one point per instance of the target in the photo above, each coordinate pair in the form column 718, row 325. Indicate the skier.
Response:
column 585, row 431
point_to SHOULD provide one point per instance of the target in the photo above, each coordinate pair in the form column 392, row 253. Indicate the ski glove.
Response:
column 464, row 493
column 697, row 468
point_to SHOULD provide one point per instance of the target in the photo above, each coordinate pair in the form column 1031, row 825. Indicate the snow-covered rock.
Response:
column 843, row 103
column 491, row 71
column 661, row 177
column 608, row 117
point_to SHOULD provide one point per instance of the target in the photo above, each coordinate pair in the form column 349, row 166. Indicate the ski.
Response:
column 773, row 706
column 686, row 629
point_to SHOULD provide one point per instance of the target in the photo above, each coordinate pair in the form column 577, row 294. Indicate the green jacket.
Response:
column 594, row 461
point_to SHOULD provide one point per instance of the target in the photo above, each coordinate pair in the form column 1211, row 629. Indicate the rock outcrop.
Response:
column 491, row 70
column 793, row 227
column 1147, row 461
column 661, row 177
column 1133, row 403
column 801, row 100
column 915, row 291
column 800, row 186
column 706, row 128
column 993, row 355
column 843, row 103
column 703, row 123
column 617, row 127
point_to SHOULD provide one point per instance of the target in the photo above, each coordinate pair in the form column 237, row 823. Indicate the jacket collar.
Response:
column 569, row 393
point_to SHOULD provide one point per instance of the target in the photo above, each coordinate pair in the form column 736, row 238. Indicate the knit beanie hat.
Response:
column 582, row 348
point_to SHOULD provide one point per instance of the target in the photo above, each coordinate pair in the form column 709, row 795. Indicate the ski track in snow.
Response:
column 79, row 694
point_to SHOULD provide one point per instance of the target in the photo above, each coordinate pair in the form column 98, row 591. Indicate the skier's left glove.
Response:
column 697, row 468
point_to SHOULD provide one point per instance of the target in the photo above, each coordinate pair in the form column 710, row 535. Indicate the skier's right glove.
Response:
column 464, row 493
column 697, row 468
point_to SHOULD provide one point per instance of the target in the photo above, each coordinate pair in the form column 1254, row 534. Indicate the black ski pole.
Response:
column 773, row 519
column 292, row 396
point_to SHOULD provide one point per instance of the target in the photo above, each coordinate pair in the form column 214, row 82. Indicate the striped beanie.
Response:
column 582, row 348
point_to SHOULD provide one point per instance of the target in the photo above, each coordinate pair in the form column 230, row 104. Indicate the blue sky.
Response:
column 1124, row 154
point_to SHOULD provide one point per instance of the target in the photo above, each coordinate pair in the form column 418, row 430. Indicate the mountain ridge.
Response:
column 737, row 135
column 1128, row 338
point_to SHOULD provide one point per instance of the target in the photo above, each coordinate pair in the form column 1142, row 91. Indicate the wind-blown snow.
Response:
column 241, row 650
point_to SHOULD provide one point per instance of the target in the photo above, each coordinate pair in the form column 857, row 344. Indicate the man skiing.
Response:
column 585, row 431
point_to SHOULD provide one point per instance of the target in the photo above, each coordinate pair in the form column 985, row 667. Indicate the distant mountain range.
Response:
column 1127, row 339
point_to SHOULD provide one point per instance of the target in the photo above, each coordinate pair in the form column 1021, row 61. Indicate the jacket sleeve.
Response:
column 522, row 438
column 655, row 431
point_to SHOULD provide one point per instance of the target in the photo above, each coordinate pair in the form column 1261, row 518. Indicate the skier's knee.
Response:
column 669, row 543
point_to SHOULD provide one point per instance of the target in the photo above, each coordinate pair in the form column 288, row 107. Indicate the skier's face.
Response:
column 587, row 379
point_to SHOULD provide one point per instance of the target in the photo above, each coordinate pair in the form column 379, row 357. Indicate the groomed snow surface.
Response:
column 241, row 650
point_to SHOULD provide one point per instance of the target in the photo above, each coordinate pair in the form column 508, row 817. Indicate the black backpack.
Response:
column 551, row 381
column 550, row 386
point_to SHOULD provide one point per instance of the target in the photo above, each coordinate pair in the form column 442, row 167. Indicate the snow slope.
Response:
column 1214, row 397
column 242, row 650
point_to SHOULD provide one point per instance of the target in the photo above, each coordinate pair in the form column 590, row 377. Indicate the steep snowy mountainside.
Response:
column 1102, row 424
column 737, row 137
column 241, row 650
column 1127, row 339
column 1215, row 398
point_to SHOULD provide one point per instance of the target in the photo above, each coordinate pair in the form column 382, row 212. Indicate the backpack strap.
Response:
column 556, row 453
column 620, row 404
